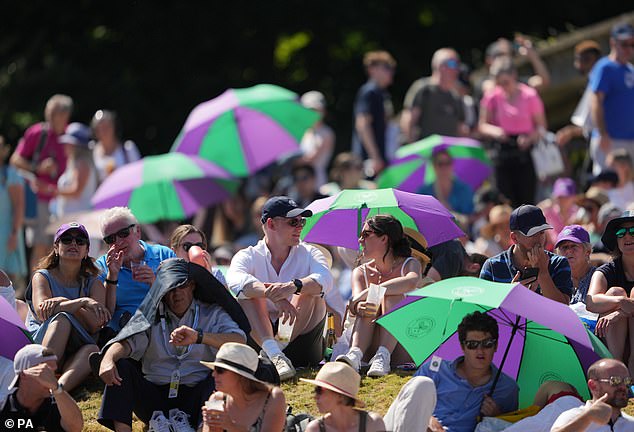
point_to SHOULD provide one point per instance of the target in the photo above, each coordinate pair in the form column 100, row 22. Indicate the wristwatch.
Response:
column 201, row 334
column 298, row 285
column 59, row 389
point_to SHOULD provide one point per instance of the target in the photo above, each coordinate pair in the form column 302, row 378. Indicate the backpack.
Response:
column 296, row 422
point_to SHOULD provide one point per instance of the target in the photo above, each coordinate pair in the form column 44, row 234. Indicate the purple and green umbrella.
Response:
column 539, row 339
column 172, row 186
column 338, row 220
column 243, row 130
column 14, row 333
column 412, row 167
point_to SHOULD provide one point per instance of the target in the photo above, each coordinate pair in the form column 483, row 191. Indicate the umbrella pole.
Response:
column 506, row 353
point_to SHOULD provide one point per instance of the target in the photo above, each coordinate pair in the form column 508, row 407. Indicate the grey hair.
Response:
column 58, row 103
column 441, row 55
column 116, row 213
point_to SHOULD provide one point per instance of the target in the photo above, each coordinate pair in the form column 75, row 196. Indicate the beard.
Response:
column 618, row 400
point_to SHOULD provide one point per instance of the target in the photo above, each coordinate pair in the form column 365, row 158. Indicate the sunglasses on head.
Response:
column 616, row 381
column 188, row 245
column 79, row 240
column 475, row 344
column 122, row 233
column 620, row 233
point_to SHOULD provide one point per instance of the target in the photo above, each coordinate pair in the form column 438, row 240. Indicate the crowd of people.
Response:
column 195, row 334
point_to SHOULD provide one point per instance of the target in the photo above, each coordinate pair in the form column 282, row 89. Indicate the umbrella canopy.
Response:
column 243, row 130
column 14, row 333
column 539, row 339
column 337, row 220
column 412, row 168
column 171, row 186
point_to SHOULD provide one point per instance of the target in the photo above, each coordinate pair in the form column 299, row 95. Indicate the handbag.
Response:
column 547, row 157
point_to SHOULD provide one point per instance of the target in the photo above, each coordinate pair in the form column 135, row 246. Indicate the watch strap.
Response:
column 201, row 335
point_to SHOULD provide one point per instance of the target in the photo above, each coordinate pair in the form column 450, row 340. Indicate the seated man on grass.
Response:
column 451, row 395
column 186, row 316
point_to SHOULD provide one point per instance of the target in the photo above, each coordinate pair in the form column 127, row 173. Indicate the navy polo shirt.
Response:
column 500, row 268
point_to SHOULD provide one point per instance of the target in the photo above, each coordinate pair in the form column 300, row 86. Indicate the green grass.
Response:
column 377, row 393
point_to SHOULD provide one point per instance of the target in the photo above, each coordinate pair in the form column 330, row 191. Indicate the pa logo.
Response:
column 420, row 327
column 467, row 291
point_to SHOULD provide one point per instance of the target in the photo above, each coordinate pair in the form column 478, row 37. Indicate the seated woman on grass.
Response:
column 391, row 265
column 67, row 303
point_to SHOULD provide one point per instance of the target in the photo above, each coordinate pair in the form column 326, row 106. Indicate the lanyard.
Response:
column 165, row 335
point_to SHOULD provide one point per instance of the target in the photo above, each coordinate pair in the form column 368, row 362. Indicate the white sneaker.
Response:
column 352, row 357
column 179, row 422
column 158, row 423
column 284, row 367
column 380, row 363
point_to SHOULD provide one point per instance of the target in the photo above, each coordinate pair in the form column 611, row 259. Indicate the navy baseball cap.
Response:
column 529, row 220
column 623, row 31
column 76, row 134
column 283, row 206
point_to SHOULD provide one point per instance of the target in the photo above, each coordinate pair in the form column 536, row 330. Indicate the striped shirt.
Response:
column 500, row 268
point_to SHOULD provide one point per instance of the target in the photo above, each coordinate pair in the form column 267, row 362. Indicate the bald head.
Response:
column 603, row 367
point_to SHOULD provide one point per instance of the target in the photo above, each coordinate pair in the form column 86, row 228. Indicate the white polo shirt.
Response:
column 253, row 264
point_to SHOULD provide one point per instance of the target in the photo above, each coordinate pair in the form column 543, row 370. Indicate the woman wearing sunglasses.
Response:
column 336, row 389
column 610, row 292
column 242, row 402
column 389, row 264
column 67, row 303
column 187, row 242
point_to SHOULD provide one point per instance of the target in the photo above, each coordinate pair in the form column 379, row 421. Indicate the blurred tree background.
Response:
column 153, row 61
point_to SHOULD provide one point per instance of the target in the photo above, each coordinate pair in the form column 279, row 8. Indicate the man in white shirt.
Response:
column 609, row 382
column 283, row 279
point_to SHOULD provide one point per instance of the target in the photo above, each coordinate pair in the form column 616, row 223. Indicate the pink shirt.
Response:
column 515, row 116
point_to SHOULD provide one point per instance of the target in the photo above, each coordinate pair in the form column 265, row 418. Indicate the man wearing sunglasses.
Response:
column 612, row 101
column 122, row 234
column 436, row 107
column 609, row 382
column 458, row 391
column 527, row 262
column 282, row 279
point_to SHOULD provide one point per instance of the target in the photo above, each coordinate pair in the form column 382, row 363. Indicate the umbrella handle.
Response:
column 506, row 352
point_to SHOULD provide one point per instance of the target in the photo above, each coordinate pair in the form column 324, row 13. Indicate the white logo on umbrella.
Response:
column 467, row 291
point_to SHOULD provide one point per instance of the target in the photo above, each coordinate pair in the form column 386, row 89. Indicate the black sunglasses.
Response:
column 188, row 245
column 122, row 233
column 219, row 370
column 295, row 222
column 485, row 343
column 367, row 233
column 616, row 381
column 620, row 233
column 79, row 240
column 318, row 390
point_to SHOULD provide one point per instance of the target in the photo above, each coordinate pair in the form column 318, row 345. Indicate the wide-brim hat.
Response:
column 418, row 244
column 238, row 358
column 594, row 194
column 338, row 377
column 500, row 214
column 609, row 234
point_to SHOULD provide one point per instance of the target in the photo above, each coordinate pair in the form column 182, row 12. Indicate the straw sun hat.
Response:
column 340, row 378
column 238, row 358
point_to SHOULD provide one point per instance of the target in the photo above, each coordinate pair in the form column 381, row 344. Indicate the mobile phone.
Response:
column 529, row 272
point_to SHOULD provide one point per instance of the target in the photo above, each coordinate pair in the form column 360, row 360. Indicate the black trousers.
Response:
column 138, row 395
column 515, row 178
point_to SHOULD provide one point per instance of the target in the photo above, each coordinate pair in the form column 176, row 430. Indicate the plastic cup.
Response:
column 215, row 404
column 375, row 295
column 284, row 332
column 134, row 265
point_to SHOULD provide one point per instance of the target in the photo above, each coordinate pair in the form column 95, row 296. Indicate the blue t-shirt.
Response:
column 460, row 198
column 458, row 402
column 131, row 293
column 371, row 100
column 616, row 82
column 500, row 268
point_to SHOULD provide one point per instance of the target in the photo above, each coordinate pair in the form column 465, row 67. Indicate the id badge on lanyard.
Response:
column 174, row 382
